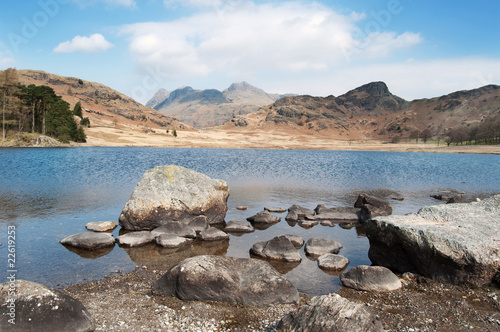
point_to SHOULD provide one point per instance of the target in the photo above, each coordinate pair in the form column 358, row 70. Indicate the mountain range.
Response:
column 211, row 107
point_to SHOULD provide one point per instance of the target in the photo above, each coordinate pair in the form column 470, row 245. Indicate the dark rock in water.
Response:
column 339, row 214
column 39, row 308
column 237, row 226
column 264, row 217
column 89, row 240
column 461, row 199
column 175, row 228
column 442, row 197
column 135, row 239
column 212, row 234
column 330, row 313
column 274, row 209
column 316, row 247
column 371, row 278
column 101, row 226
column 397, row 196
column 172, row 241
column 307, row 223
column 228, row 279
column 296, row 212
column 169, row 193
column 279, row 248
column 456, row 243
column 296, row 240
column 372, row 207
column 332, row 262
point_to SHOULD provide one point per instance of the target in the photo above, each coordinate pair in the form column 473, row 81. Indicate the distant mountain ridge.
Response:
column 371, row 111
column 211, row 107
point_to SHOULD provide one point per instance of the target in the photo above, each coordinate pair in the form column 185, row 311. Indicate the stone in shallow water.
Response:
column 238, row 226
column 228, row 279
column 101, row 226
column 172, row 241
column 39, row 308
column 168, row 193
column 135, row 239
column 213, row 234
column 279, row 248
column 264, row 217
column 371, row 278
column 274, row 209
column 316, row 247
column 332, row 262
column 175, row 228
column 89, row 240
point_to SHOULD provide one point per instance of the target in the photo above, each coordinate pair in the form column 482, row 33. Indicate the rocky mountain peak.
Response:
column 375, row 89
column 158, row 97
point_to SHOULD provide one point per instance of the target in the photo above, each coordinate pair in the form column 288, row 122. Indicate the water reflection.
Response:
column 90, row 254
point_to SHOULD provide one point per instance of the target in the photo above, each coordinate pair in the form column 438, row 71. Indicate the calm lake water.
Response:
column 48, row 194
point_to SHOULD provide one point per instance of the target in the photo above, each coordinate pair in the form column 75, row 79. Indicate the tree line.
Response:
column 37, row 109
column 486, row 132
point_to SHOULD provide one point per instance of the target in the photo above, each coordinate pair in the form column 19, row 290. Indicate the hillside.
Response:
column 103, row 106
column 373, row 112
column 211, row 107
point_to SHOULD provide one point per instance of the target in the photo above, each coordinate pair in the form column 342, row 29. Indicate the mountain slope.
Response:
column 372, row 112
column 101, row 104
column 207, row 108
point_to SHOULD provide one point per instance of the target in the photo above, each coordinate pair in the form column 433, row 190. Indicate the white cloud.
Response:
column 91, row 44
column 241, row 38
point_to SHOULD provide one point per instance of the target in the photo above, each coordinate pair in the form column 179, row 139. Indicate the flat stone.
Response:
column 371, row 278
column 456, row 243
column 172, row 241
column 219, row 278
column 40, row 308
column 241, row 208
column 213, row 234
column 307, row 223
column 174, row 193
column 264, row 217
column 89, row 240
column 135, row 239
column 274, row 209
column 296, row 240
column 175, row 228
column 238, row 226
column 101, row 226
column 296, row 212
column 279, row 248
column 332, row 262
column 316, row 247
column 330, row 313
column 372, row 207
column 340, row 214
column 198, row 223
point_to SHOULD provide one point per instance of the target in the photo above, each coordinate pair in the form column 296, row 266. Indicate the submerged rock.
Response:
column 371, row 278
column 330, row 313
column 89, row 240
column 169, row 193
column 228, row 279
column 456, row 243
column 39, row 308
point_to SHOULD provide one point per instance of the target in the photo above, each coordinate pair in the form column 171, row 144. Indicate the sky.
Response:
column 419, row 48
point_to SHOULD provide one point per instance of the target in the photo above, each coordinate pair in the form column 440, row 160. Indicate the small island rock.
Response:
column 89, row 240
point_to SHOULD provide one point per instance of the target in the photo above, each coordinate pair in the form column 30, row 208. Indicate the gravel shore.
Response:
column 125, row 303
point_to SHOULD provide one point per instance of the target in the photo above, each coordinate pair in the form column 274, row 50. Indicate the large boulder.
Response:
column 89, row 240
column 228, row 279
column 371, row 278
column 330, row 313
column 36, row 307
column 280, row 248
column 456, row 243
column 168, row 193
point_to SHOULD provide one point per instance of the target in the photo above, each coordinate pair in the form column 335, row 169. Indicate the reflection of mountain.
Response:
column 90, row 254
column 152, row 255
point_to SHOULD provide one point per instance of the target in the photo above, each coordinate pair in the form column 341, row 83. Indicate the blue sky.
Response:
column 420, row 48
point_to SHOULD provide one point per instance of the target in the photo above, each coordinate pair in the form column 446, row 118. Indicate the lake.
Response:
column 50, row 193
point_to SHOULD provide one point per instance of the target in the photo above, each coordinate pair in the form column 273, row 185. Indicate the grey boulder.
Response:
column 279, row 248
column 297, row 212
column 172, row 241
column 168, row 193
column 227, row 279
column 455, row 243
column 316, row 247
column 213, row 234
column 89, row 240
column 238, row 226
column 372, row 206
column 332, row 262
column 264, row 217
column 371, row 278
column 175, row 228
column 330, row 313
column 39, row 308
